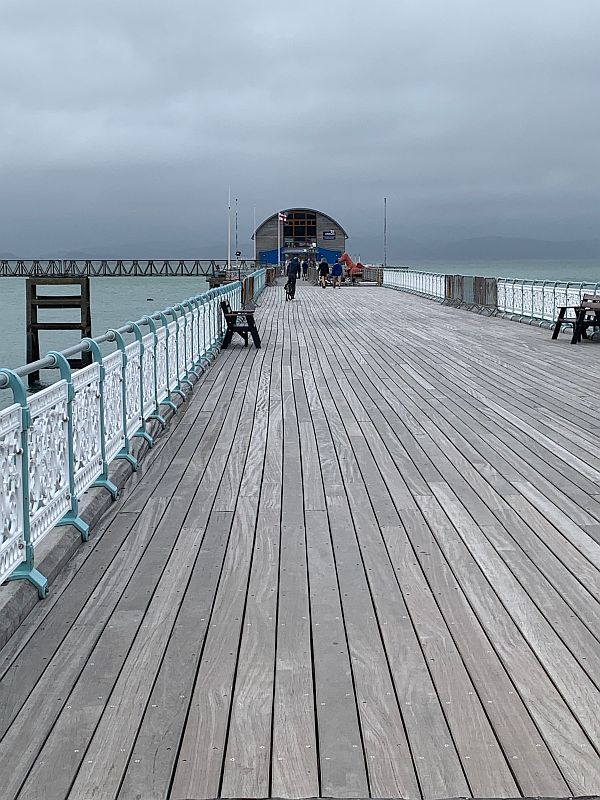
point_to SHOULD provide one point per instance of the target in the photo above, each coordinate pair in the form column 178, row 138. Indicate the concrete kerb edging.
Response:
column 19, row 598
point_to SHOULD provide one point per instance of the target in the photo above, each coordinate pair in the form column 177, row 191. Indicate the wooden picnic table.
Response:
column 587, row 314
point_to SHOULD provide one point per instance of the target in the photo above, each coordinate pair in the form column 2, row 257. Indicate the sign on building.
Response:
column 329, row 235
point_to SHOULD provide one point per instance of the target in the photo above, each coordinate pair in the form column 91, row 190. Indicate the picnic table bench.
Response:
column 587, row 314
column 241, row 322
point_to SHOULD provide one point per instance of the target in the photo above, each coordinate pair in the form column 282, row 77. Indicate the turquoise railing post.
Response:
column 155, row 414
column 124, row 453
column 171, row 352
column 26, row 569
column 102, row 481
column 72, row 516
column 142, row 432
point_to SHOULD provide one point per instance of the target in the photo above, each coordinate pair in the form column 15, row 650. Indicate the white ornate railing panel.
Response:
column 181, row 357
column 172, row 350
column 148, row 383
column 87, row 433
column 218, row 317
column 48, row 455
column 189, row 341
column 110, row 400
column 540, row 300
column 430, row 284
column 196, row 345
column 206, row 321
column 113, row 404
column 133, row 397
column 162, row 378
column 12, row 537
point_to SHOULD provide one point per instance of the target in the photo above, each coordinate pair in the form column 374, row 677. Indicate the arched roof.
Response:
column 290, row 210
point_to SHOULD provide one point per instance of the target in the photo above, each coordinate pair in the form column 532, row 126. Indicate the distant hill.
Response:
column 483, row 248
column 507, row 248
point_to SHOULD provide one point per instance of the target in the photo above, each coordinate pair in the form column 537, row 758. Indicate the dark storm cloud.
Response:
column 126, row 122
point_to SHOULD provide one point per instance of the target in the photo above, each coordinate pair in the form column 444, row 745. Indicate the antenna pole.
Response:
column 229, row 230
column 384, row 232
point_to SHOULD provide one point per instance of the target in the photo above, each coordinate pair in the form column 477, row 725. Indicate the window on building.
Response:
column 300, row 226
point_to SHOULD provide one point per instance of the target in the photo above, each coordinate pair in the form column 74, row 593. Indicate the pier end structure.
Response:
column 303, row 232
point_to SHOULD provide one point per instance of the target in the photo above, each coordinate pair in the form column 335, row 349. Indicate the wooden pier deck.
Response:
column 364, row 562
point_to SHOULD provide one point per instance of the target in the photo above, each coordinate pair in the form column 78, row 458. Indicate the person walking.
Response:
column 323, row 272
column 336, row 274
column 293, row 269
column 305, row 270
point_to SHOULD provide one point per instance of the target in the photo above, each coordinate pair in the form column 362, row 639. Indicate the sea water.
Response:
column 587, row 270
column 115, row 301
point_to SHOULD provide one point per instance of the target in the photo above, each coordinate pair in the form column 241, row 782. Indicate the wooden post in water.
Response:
column 36, row 302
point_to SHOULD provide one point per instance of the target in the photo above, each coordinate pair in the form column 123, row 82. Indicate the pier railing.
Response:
column 533, row 301
column 57, row 443
column 428, row 284
column 540, row 300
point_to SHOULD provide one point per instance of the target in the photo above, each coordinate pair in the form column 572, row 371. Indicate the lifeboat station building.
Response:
column 303, row 232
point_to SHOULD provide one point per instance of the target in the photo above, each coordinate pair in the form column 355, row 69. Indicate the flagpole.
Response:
column 278, row 241
column 236, row 231
column 229, row 230
column 254, row 236
column 384, row 232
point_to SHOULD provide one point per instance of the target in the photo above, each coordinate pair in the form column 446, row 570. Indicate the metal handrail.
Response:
column 527, row 300
column 58, row 442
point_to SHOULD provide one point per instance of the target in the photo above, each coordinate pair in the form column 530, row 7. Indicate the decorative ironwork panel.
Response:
column 189, row 341
column 133, row 395
column 12, row 539
column 48, row 453
column 209, row 323
column 148, row 386
column 181, row 356
column 501, row 302
column 575, row 293
column 203, row 331
column 526, row 301
column 87, row 444
column 172, row 350
column 113, row 404
column 162, row 380
column 196, row 334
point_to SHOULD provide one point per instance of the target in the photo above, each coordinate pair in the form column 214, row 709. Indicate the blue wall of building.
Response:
column 267, row 257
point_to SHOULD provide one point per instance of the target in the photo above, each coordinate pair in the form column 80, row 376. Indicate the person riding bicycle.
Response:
column 292, row 273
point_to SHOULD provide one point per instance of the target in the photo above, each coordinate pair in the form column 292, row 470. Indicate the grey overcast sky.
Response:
column 124, row 121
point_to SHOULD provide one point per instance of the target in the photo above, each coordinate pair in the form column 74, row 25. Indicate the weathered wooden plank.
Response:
column 193, row 687
column 294, row 767
column 247, row 765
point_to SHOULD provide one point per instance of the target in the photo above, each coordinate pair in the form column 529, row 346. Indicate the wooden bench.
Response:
column 246, row 326
column 587, row 314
